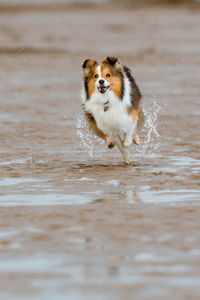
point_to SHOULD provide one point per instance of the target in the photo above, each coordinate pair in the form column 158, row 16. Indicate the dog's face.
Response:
column 104, row 77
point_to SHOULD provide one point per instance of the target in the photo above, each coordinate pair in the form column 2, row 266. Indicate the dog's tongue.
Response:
column 102, row 89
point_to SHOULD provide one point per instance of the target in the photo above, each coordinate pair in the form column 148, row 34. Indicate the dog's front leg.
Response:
column 128, row 139
column 131, row 135
column 124, row 151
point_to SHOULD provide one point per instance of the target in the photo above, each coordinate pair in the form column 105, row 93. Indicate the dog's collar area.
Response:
column 105, row 106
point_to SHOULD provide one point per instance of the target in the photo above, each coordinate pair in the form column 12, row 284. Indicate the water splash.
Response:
column 88, row 140
column 151, row 140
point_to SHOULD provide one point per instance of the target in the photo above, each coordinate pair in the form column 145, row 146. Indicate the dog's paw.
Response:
column 127, row 157
column 111, row 145
column 136, row 139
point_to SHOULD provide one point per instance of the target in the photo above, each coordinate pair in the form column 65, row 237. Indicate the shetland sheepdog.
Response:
column 111, row 101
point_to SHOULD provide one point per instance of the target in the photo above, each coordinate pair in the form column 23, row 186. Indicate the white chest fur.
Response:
column 110, row 113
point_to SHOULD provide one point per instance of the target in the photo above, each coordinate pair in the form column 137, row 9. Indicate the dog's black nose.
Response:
column 101, row 81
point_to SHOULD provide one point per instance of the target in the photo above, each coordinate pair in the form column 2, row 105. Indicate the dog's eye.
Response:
column 95, row 76
column 107, row 75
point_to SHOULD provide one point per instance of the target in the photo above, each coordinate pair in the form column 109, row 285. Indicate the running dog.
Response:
column 111, row 101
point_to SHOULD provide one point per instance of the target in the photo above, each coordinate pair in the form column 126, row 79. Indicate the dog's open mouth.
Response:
column 102, row 89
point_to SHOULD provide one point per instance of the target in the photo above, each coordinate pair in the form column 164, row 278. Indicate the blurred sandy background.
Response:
column 75, row 223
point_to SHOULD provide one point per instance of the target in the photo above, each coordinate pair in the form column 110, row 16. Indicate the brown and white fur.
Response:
column 111, row 101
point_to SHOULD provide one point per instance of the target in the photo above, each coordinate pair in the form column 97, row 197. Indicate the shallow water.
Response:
column 76, row 222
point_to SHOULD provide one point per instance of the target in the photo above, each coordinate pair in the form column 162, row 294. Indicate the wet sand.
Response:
column 76, row 223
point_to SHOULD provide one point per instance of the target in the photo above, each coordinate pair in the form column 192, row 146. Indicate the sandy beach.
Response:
column 76, row 223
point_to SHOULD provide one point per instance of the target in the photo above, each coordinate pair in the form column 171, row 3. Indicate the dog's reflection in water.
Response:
column 126, row 197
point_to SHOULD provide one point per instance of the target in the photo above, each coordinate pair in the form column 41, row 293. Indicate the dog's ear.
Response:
column 113, row 61
column 88, row 65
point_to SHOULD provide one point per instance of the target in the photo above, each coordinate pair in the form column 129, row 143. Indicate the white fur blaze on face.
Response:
column 101, row 84
column 99, row 71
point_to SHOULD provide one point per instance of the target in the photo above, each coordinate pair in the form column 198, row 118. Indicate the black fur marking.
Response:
column 85, row 63
column 106, row 107
column 111, row 61
column 122, row 79
column 86, row 88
